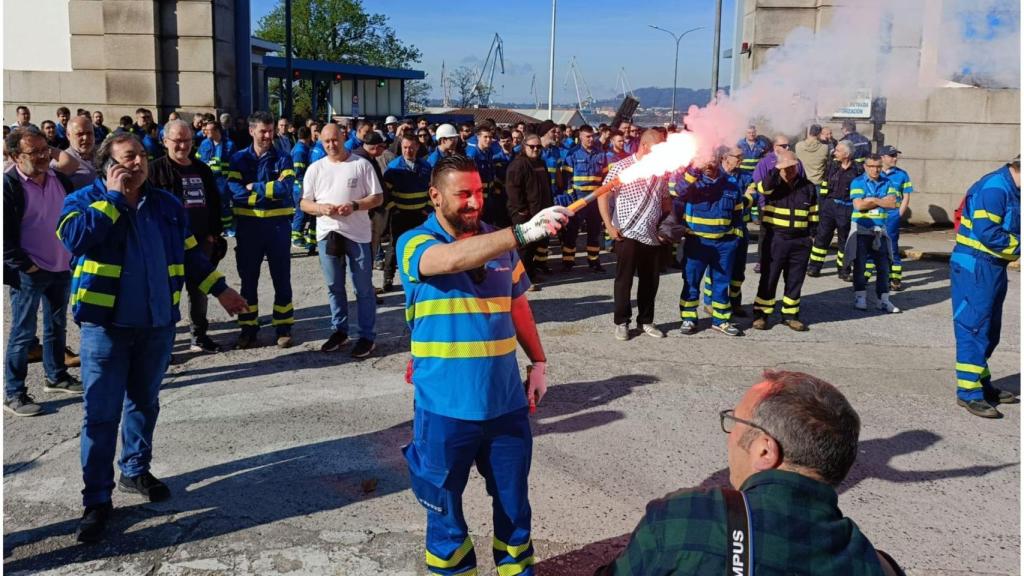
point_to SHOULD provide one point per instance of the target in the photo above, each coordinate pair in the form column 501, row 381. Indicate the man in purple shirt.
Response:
column 36, row 266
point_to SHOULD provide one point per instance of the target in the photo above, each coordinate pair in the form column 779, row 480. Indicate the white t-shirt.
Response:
column 329, row 182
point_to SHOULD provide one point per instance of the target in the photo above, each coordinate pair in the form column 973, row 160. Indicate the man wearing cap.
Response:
column 446, row 137
column 987, row 240
column 900, row 180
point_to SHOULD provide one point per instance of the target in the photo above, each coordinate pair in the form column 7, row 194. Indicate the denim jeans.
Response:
column 121, row 370
column 53, row 289
column 360, row 259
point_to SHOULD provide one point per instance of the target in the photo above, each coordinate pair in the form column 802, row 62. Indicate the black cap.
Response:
column 888, row 151
column 373, row 138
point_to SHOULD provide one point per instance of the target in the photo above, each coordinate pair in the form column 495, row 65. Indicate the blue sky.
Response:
column 603, row 35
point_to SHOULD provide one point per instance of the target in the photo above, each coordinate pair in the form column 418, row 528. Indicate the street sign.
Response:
column 859, row 107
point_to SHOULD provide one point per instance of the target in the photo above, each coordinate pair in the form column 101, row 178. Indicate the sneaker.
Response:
column 596, row 268
column 896, row 286
column 247, row 340
column 363, row 348
column 533, row 288
column 622, row 332
column 813, row 272
column 335, row 342
column 285, row 341
column 997, row 396
column 229, row 233
column 757, row 268
column 760, row 324
column 860, row 303
column 727, row 328
column 71, row 360
column 66, row 385
column 378, row 264
column 145, row 484
column 979, row 408
column 687, row 327
column 795, row 324
column 845, row 276
column 93, row 523
column 652, row 331
column 22, row 405
column 299, row 243
column 204, row 343
column 887, row 306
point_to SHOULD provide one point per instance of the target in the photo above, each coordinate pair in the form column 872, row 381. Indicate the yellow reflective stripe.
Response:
column 518, row 272
column 689, row 303
column 720, row 315
column 99, row 269
column 856, row 192
column 1006, row 254
column 268, row 191
column 410, row 195
column 66, row 218
column 516, row 568
column 410, row 249
column 764, row 302
column 176, row 297
column 512, row 551
column 712, row 235
column 176, row 270
column 708, row 221
column 687, row 314
column 258, row 213
column 287, row 172
column 251, row 200
column 721, row 305
column 248, row 322
column 966, row 222
column 690, row 178
column 457, row 556
column 210, row 280
column 762, row 190
column 107, row 208
column 94, row 298
column 785, row 223
column 789, row 301
column 777, row 210
column 280, row 321
column 232, row 175
column 968, row 384
column 793, row 310
column 284, row 309
column 474, row 349
column 467, row 305
column 408, row 206
column 971, row 368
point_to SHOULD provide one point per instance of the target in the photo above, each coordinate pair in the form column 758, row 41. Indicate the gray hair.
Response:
column 813, row 423
column 845, row 145
column 177, row 123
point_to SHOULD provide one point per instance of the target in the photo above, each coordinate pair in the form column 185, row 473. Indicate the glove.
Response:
column 536, row 384
column 544, row 224
column 563, row 200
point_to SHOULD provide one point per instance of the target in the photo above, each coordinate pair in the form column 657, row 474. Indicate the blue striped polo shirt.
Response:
column 862, row 188
column 463, row 340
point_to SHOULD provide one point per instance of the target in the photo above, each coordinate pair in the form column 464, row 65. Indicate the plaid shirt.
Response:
column 629, row 198
column 796, row 525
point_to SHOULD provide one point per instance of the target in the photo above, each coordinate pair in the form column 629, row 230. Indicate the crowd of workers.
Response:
column 143, row 212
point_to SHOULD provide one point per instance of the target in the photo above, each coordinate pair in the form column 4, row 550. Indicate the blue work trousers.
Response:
column 716, row 258
column 121, row 371
column 259, row 238
column 739, row 272
column 52, row 289
column 303, row 225
column 588, row 218
column 359, row 259
column 979, row 288
column 440, row 457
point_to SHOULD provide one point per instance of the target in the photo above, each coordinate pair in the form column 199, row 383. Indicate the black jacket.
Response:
column 163, row 173
column 528, row 187
column 837, row 180
column 15, row 259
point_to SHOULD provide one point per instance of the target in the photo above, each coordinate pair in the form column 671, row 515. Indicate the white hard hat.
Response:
column 446, row 131
column 390, row 120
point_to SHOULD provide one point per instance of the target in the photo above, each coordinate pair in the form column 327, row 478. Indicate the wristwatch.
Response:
column 355, row 206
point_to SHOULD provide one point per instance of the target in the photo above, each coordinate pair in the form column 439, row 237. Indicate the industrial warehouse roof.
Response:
column 511, row 116
column 277, row 64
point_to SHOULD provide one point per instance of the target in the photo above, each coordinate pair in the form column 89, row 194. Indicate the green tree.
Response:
column 336, row 31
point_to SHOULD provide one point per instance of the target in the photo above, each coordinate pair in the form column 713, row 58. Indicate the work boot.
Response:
column 622, row 332
column 979, row 408
column 284, row 341
column 544, row 269
column 71, row 360
column 814, row 272
column 845, row 276
column 389, row 285
column 93, row 523
column 145, row 484
column 203, row 343
column 997, row 396
column 246, row 340
column 22, row 405
column 738, row 311
column 596, row 268
column 795, row 324
column 567, row 266
column 66, row 385
column 895, row 286
column 760, row 323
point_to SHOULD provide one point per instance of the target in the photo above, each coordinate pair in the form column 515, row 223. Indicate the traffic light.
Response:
column 337, row 77
column 382, row 83
column 296, row 74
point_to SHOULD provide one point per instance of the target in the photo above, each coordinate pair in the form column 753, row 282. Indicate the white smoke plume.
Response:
column 876, row 45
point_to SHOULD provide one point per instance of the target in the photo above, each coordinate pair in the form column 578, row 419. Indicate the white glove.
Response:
column 536, row 384
column 544, row 224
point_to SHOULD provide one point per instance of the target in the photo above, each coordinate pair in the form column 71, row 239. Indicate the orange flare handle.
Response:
column 606, row 188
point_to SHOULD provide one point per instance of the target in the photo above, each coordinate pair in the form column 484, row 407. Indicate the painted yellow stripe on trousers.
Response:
column 475, row 349
column 456, row 557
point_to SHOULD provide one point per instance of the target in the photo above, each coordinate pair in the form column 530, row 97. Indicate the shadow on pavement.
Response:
column 584, row 561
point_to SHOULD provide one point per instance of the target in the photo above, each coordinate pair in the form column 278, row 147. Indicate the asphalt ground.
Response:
column 288, row 461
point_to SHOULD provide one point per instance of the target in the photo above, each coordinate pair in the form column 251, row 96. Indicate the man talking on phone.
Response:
column 133, row 253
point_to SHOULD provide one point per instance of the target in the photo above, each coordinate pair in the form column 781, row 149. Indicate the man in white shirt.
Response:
column 340, row 191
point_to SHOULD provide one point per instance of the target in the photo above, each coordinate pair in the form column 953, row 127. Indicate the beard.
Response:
column 463, row 220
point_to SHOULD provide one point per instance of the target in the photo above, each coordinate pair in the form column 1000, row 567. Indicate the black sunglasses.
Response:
column 532, row 146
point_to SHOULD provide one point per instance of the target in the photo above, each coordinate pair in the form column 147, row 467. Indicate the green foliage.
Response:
column 336, row 31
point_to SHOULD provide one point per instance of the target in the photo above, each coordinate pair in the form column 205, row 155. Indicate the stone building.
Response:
column 948, row 139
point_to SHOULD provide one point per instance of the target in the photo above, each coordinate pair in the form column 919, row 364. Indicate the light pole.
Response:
column 551, row 65
column 675, row 68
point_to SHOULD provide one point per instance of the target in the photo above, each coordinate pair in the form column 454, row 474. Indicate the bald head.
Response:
column 648, row 139
column 81, row 135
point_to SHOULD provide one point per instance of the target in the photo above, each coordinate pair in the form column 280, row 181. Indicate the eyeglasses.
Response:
column 728, row 417
column 37, row 153
column 783, row 146
column 532, row 146
column 178, row 142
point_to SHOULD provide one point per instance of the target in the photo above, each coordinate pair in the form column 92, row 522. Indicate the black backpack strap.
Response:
column 740, row 556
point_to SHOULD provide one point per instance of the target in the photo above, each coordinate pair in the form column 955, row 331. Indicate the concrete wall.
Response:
column 949, row 136
column 126, row 54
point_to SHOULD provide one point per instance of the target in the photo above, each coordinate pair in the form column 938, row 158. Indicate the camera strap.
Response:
column 740, row 556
